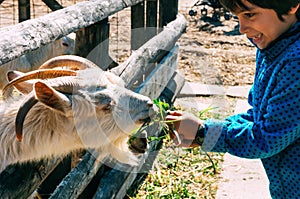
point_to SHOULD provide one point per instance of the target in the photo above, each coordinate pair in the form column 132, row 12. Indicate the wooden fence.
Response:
column 150, row 70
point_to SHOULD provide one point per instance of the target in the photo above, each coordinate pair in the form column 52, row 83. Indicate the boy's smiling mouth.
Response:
column 256, row 38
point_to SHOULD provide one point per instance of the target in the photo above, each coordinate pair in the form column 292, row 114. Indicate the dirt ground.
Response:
column 213, row 52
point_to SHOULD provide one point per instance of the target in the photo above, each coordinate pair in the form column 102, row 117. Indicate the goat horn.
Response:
column 22, row 112
column 40, row 74
column 71, row 62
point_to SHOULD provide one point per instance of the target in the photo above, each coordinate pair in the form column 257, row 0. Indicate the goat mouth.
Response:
column 138, row 148
column 138, row 143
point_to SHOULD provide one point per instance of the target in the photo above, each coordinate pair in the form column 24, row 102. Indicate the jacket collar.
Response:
column 282, row 42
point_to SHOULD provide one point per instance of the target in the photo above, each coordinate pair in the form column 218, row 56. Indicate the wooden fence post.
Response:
column 143, row 22
column 54, row 178
column 137, row 25
column 24, row 10
column 168, row 9
column 92, row 42
column 53, row 5
column 151, row 18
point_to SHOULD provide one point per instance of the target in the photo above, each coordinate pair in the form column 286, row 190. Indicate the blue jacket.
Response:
column 270, row 130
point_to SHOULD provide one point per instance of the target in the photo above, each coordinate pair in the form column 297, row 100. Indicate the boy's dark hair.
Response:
column 281, row 7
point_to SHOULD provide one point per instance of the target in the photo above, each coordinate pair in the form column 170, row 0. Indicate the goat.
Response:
column 33, row 59
column 62, row 110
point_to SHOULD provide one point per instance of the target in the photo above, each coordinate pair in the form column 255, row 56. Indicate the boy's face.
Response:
column 263, row 25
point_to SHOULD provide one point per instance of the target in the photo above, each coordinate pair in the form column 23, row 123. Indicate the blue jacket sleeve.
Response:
column 266, row 129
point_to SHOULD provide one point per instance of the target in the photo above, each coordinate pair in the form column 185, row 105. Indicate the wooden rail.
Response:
column 29, row 35
column 142, row 72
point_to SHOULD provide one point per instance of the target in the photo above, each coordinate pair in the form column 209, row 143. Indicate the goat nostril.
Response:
column 65, row 44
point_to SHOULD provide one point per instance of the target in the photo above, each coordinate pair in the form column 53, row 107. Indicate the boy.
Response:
column 270, row 130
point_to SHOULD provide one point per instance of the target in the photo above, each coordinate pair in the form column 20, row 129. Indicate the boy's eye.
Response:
column 249, row 15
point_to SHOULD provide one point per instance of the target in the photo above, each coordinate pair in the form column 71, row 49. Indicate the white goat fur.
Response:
column 99, row 115
column 34, row 59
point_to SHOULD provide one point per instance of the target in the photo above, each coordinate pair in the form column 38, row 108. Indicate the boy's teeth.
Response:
column 257, row 36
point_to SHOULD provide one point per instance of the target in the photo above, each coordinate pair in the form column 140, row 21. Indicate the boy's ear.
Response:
column 293, row 10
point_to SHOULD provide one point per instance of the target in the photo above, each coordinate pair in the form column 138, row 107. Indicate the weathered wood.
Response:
column 19, row 181
column 79, row 177
column 17, row 39
column 29, row 35
column 173, row 87
column 116, row 182
column 151, row 18
column 89, row 166
column 55, row 177
column 137, row 26
column 168, row 9
column 24, row 10
column 151, row 51
column 154, row 84
column 53, row 5
column 92, row 42
column 152, row 55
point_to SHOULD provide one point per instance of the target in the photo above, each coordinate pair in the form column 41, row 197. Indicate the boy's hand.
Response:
column 183, row 129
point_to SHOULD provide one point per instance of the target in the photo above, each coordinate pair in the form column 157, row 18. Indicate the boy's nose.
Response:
column 242, row 26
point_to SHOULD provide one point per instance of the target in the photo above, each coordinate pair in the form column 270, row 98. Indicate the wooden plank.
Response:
column 79, row 177
column 168, row 9
column 92, row 42
column 160, row 76
column 50, row 183
column 24, row 10
column 152, row 51
column 53, row 5
column 19, row 181
column 137, row 26
column 31, row 34
column 116, row 182
column 173, row 88
column 151, row 18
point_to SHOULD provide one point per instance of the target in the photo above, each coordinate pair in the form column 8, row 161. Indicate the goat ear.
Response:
column 50, row 97
column 24, row 87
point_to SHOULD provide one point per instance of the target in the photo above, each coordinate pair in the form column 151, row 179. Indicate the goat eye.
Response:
column 102, row 99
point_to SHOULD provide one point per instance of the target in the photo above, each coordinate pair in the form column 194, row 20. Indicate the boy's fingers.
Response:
column 175, row 113
column 171, row 117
